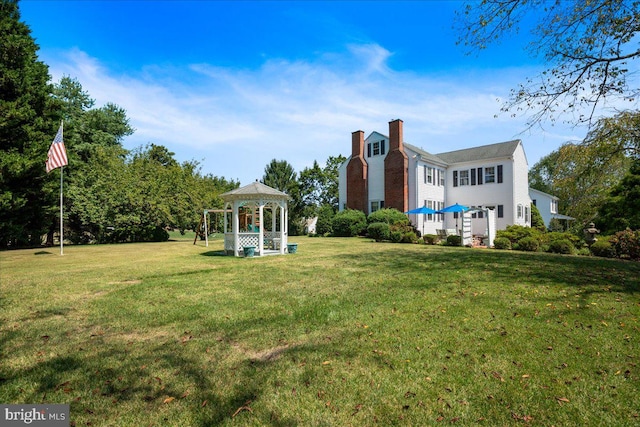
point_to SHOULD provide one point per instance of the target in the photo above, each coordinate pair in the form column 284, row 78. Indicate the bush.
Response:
column 627, row 244
column 602, row 248
column 576, row 241
column 528, row 244
column 562, row 246
column 379, row 231
column 501, row 243
column 389, row 216
column 430, row 239
column 454, row 240
column 324, row 224
column 515, row 233
column 349, row 223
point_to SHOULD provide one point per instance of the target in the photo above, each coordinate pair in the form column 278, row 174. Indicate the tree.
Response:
column 581, row 175
column 279, row 174
column 622, row 209
column 588, row 44
column 28, row 123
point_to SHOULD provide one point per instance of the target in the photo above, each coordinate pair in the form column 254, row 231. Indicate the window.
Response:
column 489, row 174
column 440, row 207
column 554, row 206
column 534, row 202
column 430, row 174
column 500, row 211
column 441, row 177
column 464, row 178
column 376, row 148
column 430, row 206
column 526, row 213
column 375, row 205
column 519, row 211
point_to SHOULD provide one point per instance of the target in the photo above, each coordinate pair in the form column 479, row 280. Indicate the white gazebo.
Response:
column 257, row 217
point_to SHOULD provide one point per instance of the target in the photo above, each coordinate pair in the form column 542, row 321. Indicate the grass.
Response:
column 345, row 332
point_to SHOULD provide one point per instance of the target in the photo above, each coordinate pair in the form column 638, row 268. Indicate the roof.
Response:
column 484, row 152
column 424, row 155
column 254, row 190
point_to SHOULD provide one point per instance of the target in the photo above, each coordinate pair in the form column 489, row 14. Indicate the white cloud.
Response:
column 301, row 111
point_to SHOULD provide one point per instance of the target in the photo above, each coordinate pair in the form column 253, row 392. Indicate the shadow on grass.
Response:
column 213, row 253
column 448, row 265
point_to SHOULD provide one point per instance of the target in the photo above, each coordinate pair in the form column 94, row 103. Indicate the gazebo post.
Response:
column 236, row 227
column 283, row 242
column 261, row 228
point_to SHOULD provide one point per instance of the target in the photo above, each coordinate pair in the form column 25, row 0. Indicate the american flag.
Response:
column 57, row 156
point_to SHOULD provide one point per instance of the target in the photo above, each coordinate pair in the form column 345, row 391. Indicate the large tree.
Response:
column 28, row 123
column 582, row 175
column 589, row 45
column 622, row 209
column 279, row 174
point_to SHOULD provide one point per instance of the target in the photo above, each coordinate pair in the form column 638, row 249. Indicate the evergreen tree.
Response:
column 29, row 119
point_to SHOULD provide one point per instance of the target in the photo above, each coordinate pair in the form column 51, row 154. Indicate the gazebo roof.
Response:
column 254, row 190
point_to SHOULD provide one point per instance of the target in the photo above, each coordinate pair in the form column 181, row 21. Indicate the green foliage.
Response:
column 430, row 239
column 588, row 45
column 622, row 209
column 501, row 243
column 626, row 244
column 515, row 233
column 552, row 236
column 324, row 225
column 349, row 223
column 603, row 248
column 279, row 174
column 561, row 246
column 454, row 240
column 390, row 216
column 536, row 219
column 29, row 120
column 527, row 244
column 379, row 231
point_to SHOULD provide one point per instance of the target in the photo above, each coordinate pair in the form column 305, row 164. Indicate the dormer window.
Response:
column 376, row 148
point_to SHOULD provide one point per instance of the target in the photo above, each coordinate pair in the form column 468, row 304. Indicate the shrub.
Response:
column 561, row 246
column 454, row 240
column 325, row 219
column 396, row 236
column 627, row 244
column 388, row 215
column 501, row 243
column 515, row 233
column 430, row 239
column 379, row 231
column 528, row 244
column 349, row 223
column 550, row 237
column 602, row 248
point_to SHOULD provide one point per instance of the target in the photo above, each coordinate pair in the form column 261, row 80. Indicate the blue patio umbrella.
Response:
column 423, row 210
column 454, row 208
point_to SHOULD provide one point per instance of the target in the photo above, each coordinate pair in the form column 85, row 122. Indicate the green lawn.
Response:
column 345, row 332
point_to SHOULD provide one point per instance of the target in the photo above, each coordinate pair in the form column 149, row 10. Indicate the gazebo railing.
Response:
column 253, row 239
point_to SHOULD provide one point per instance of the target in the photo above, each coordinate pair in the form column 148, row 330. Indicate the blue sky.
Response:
column 236, row 84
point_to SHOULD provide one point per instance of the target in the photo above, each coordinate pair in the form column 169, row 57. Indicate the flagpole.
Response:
column 61, row 214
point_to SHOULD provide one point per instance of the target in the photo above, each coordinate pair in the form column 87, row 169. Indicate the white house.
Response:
column 385, row 171
column 547, row 206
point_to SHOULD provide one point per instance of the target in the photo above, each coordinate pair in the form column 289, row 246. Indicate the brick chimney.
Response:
column 357, row 191
column 396, row 165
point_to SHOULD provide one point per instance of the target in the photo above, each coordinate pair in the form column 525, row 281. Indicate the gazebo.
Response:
column 256, row 217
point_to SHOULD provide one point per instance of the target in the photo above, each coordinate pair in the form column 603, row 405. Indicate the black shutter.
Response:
column 479, row 176
column 369, row 150
column 500, row 211
column 499, row 174
column 455, row 178
column 382, row 147
column 473, row 176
